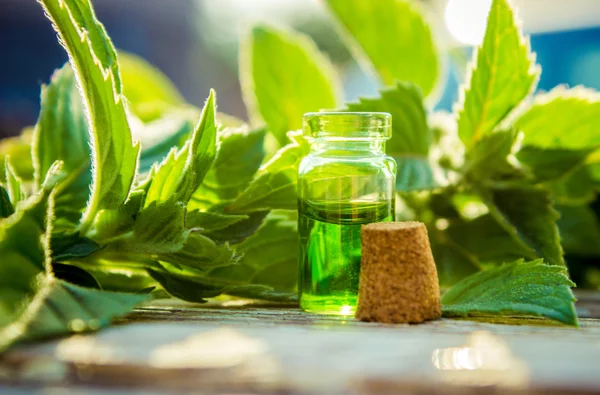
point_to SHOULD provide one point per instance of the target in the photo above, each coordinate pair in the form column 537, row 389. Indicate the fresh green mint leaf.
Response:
column 488, row 241
column 158, row 137
column 94, row 61
column 14, row 185
column 411, row 137
column 527, row 212
column 6, row 207
column 241, row 152
column 255, row 275
column 17, row 148
column 519, row 288
column 563, row 119
column 34, row 304
column 550, row 164
column 274, row 185
column 150, row 93
column 283, row 76
column 502, row 75
column 391, row 37
column 183, row 171
column 209, row 221
column 576, row 188
column 61, row 133
column 236, row 232
column 492, row 157
column 453, row 262
column 579, row 230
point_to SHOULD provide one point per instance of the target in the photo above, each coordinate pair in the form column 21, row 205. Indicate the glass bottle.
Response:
column 345, row 181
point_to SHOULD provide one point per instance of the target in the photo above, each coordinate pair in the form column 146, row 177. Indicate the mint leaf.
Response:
column 411, row 137
column 388, row 33
column 19, row 149
column 267, row 270
column 453, row 262
column 565, row 119
column 208, row 221
column 489, row 242
column 283, row 76
column 236, row 232
column 579, row 230
column 158, row 137
column 61, row 133
column 94, row 61
column 33, row 303
column 551, row 164
column 14, row 185
column 527, row 212
column 200, row 254
column 492, row 157
column 241, row 152
column 519, row 288
column 504, row 60
column 576, row 188
column 6, row 207
column 150, row 93
column 274, row 185
column 182, row 172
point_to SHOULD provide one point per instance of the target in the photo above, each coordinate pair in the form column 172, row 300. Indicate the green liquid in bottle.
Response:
column 330, row 252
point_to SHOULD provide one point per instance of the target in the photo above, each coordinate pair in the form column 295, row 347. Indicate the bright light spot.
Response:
column 467, row 19
column 442, row 224
column 346, row 310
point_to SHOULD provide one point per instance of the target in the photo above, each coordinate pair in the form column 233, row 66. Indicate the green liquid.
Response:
column 330, row 252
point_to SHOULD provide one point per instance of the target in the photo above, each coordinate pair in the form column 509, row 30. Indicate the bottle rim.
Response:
column 340, row 125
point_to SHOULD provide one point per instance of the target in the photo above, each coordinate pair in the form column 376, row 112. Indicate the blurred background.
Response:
column 195, row 42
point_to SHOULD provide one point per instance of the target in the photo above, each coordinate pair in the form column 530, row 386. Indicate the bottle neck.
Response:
column 367, row 146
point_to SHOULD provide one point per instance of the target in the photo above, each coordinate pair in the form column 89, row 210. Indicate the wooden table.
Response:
column 236, row 348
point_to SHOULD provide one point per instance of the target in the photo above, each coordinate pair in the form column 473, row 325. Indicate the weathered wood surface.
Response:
column 233, row 348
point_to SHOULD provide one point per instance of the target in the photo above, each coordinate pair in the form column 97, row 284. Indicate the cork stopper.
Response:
column 398, row 278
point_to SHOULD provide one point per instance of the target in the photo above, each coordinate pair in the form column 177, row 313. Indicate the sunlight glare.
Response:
column 467, row 19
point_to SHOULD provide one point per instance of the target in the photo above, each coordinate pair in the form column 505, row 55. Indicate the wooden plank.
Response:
column 276, row 349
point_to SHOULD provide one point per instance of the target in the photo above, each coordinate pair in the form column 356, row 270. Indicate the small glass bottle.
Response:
column 345, row 181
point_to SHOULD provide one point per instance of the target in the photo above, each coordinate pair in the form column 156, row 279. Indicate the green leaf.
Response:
column 6, row 207
column 19, row 149
column 33, row 303
column 158, row 137
column 150, row 93
column 94, row 62
column 268, row 269
column 519, row 288
column 241, row 152
column 274, row 186
column 182, row 172
column 14, row 185
column 576, row 188
column 527, row 212
column 208, row 221
column 565, row 119
column 492, row 157
column 579, row 230
column 61, row 133
column 551, row 164
column 488, row 241
column 411, row 137
column 453, row 262
column 393, row 36
column 238, row 231
column 283, row 76
column 502, row 75
column 200, row 254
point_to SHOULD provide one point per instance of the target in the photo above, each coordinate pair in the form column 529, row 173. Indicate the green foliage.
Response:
column 503, row 61
column 391, row 37
column 283, row 76
column 33, row 302
column 61, row 134
column 209, row 208
column 94, row 61
column 518, row 288
column 411, row 137
column 150, row 93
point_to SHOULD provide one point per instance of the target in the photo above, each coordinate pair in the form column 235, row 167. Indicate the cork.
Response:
column 398, row 277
